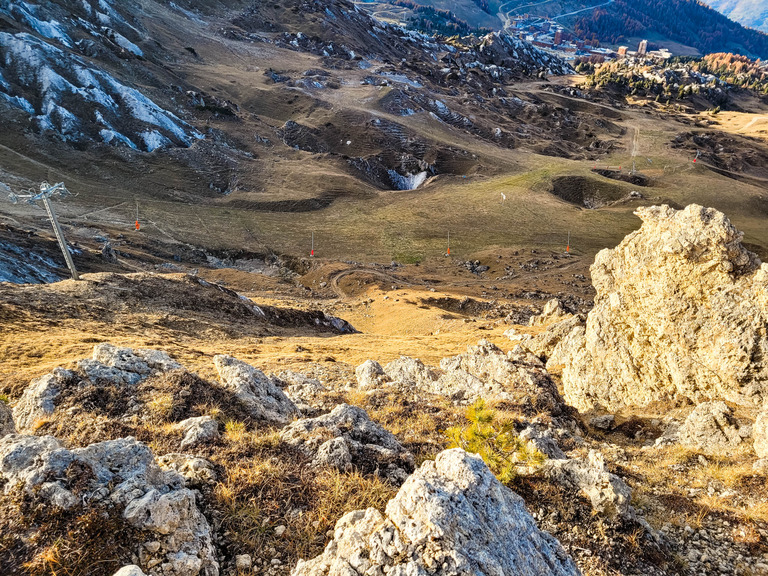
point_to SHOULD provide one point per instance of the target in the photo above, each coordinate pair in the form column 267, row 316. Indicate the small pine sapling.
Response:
column 495, row 442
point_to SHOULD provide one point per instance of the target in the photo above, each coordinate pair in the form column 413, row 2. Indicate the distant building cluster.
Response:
column 549, row 35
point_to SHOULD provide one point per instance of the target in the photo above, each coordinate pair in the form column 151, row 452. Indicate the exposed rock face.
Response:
column 200, row 430
column 485, row 371
column 6, row 420
column 255, row 390
column 710, row 428
column 109, row 365
column 124, row 365
column 760, row 434
column 370, row 375
column 305, row 392
column 681, row 310
column 39, row 398
column 553, row 344
column 542, row 440
column 608, row 493
column 411, row 372
column 553, row 312
column 347, row 437
column 451, row 517
column 122, row 472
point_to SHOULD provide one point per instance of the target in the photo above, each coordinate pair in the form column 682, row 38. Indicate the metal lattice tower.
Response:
column 48, row 191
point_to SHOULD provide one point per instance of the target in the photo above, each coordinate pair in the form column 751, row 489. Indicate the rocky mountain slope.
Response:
column 140, row 463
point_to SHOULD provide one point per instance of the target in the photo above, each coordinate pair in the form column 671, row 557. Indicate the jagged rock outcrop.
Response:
column 451, row 517
column 39, row 398
column 195, row 470
column 553, row 312
column 347, row 437
column 6, row 420
column 260, row 394
column 305, row 392
column 681, row 311
column 711, row 428
column 116, row 365
column 608, row 493
column 485, row 371
column 370, row 375
column 123, row 473
column 760, row 434
column 541, row 439
column 200, row 430
column 411, row 372
column 109, row 365
column 552, row 345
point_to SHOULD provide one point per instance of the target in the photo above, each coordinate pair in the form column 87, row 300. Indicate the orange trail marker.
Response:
column 312, row 249
column 137, row 225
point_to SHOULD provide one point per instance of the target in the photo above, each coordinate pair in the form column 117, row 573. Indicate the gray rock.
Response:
column 243, row 562
column 485, row 371
column 258, row 393
column 124, row 366
column 122, row 473
column 760, row 434
column 451, row 517
column 305, row 392
column 196, row 471
column 131, row 570
column 200, row 430
column 542, row 440
column 710, row 428
column 608, row 493
column 6, row 420
column 347, row 436
column 39, row 398
column 370, row 375
column 604, row 422
column 411, row 372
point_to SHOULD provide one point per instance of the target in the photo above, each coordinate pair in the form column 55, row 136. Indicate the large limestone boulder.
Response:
column 451, row 517
column 485, row 371
column 257, row 392
column 681, row 311
column 6, row 420
column 711, row 428
column 346, row 438
column 118, row 473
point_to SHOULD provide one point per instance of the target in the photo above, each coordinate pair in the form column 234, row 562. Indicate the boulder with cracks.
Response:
column 681, row 311
column 451, row 517
column 123, row 474
column 346, row 438
column 258, row 393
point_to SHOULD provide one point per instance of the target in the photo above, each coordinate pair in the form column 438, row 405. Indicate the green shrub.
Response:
column 495, row 442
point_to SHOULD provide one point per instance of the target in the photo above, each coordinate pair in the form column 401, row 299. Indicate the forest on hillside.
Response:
column 688, row 22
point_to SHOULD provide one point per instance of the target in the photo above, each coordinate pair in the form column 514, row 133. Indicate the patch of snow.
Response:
column 154, row 140
column 126, row 44
column 49, row 29
column 113, row 137
column 408, row 181
column 18, row 102
column 23, row 266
